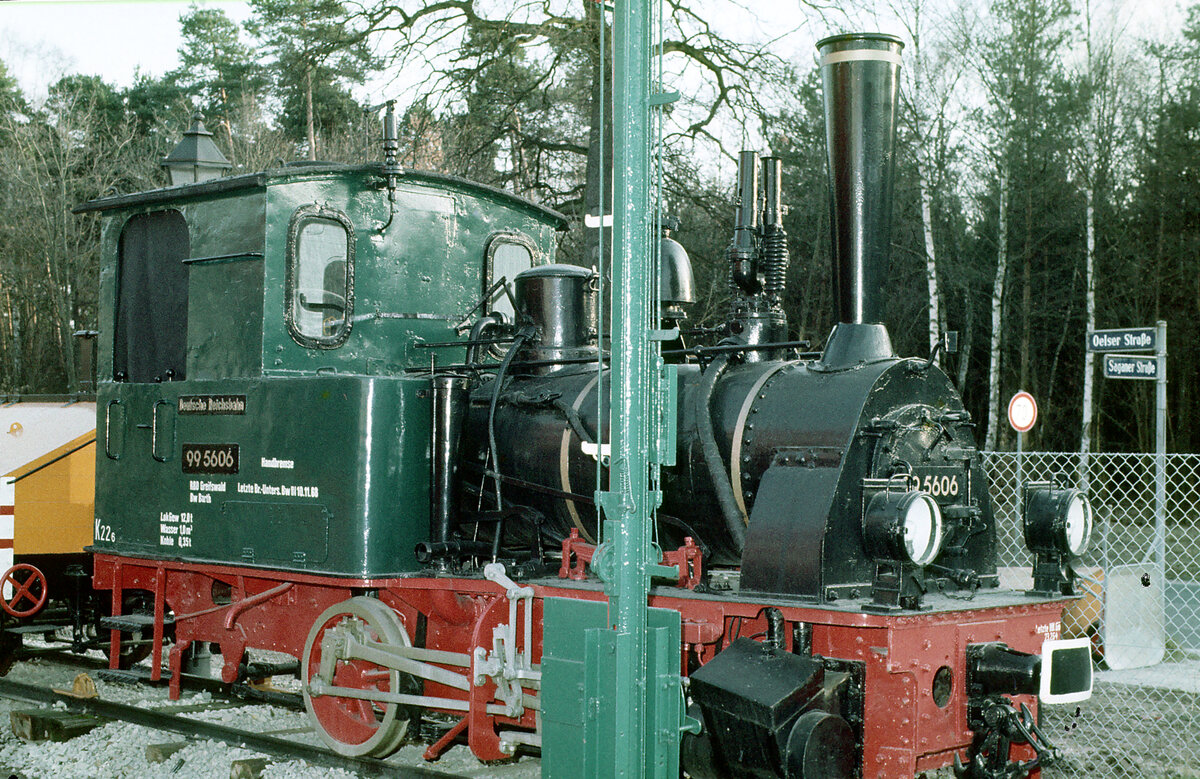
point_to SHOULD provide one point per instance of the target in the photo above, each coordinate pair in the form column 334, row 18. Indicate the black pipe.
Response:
column 427, row 552
column 476, row 337
column 460, row 344
column 524, row 335
column 743, row 273
column 498, row 537
column 703, row 351
column 735, row 520
column 774, row 628
column 802, row 638
column 450, row 397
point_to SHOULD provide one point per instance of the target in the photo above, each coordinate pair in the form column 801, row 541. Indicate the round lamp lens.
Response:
column 922, row 530
column 1078, row 528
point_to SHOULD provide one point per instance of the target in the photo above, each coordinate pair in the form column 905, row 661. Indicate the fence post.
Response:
column 1160, row 456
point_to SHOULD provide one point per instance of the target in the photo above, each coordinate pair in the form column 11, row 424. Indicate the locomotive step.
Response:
column 131, row 622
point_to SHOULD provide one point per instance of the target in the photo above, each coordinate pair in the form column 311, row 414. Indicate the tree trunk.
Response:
column 997, row 310
column 16, row 347
column 597, row 196
column 1026, row 288
column 65, row 293
column 967, row 341
column 930, row 260
column 308, row 109
column 522, row 185
column 1089, row 357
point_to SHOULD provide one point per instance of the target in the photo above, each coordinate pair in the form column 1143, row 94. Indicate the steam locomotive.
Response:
column 358, row 415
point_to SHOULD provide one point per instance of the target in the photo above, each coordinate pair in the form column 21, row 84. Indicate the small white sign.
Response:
column 1022, row 412
column 1066, row 675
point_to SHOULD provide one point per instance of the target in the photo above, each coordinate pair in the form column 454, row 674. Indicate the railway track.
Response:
column 183, row 723
column 238, row 691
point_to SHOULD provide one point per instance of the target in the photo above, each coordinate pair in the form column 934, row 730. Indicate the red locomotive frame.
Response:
column 904, row 730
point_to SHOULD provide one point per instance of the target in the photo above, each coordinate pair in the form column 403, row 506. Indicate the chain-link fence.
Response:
column 1141, row 607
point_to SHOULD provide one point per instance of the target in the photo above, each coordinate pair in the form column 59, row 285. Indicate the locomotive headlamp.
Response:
column 1057, row 521
column 903, row 526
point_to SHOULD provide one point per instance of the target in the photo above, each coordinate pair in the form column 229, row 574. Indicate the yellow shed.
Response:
column 47, row 478
column 54, row 499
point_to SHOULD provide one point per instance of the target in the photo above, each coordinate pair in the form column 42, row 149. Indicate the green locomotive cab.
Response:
column 262, row 397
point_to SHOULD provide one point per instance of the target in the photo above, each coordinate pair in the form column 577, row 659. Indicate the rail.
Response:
column 174, row 723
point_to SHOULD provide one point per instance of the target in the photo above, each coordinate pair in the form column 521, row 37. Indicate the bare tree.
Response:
column 1027, row 121
column 75, row 148
column 559, row 46
column 931, row 106
column 1104, row 79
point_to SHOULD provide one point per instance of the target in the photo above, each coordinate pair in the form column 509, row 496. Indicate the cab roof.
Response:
column 300, row 170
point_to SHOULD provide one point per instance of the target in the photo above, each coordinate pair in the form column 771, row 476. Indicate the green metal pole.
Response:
column 629, row 506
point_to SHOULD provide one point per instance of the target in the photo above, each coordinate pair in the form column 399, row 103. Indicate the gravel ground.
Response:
column 118, row 749
column 1126, row 731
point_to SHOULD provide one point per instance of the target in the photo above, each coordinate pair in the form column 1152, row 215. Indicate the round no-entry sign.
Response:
column 1022, row 412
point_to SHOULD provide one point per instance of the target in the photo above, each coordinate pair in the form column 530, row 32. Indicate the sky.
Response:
column 41, row 40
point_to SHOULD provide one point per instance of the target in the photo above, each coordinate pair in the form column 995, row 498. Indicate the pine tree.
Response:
column 317, row 51
column 218, row 69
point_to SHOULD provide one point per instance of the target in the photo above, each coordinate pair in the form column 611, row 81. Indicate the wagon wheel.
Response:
column 29, row 587
column 351, row 726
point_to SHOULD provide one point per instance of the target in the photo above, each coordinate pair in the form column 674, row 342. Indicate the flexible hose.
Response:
column 735, row 520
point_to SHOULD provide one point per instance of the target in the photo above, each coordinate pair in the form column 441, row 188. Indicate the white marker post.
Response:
column 1022, row 414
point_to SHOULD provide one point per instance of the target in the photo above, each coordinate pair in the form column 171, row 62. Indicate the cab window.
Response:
column 320, row 277
column 507, row 255
column 150, row 337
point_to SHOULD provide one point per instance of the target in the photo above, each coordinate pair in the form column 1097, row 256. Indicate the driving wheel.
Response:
column 353, row 726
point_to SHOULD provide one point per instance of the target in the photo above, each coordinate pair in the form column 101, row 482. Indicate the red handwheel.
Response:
column 27, row 588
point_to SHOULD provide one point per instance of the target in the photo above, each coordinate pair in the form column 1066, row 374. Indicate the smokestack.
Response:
column 860, row 74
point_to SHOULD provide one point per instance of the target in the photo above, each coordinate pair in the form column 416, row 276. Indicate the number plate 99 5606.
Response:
column 210, row 458
column 945, row 484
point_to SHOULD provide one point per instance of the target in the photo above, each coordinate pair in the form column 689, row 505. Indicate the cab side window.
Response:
column 507, row 255
column 320, row 277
